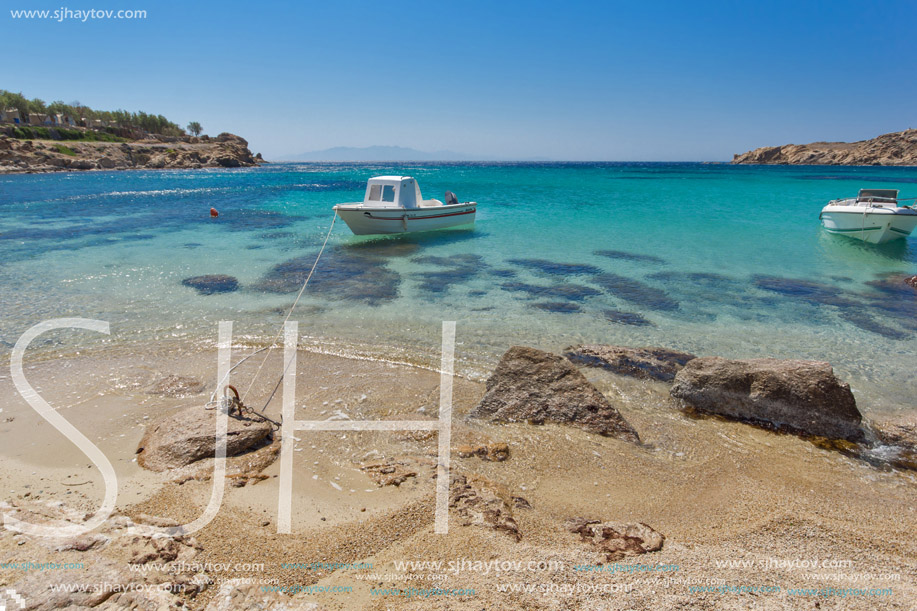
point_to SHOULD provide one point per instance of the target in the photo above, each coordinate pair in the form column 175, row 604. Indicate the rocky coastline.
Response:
column 897, row 148
column 19, row 156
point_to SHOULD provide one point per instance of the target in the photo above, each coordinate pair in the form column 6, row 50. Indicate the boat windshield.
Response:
column 877, row 195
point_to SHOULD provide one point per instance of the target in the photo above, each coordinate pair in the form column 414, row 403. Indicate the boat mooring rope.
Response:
column 237, row 401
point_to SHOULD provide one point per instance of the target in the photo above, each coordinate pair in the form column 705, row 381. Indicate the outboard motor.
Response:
column 451, row 199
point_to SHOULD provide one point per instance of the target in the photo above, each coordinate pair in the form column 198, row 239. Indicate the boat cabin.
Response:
column 392, row 192
column 879, row 196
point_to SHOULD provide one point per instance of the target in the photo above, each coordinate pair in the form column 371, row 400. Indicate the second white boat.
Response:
column 874, row 215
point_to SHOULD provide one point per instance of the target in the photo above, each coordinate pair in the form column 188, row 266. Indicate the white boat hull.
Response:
column 875, row 225
column 364, row 220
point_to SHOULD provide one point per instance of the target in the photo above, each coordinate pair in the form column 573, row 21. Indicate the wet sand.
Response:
column 740, row 507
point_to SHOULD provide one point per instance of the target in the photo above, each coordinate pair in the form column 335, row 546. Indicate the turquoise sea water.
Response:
column 714, row 259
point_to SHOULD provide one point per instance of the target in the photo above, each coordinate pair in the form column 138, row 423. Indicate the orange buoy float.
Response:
column 214, row 213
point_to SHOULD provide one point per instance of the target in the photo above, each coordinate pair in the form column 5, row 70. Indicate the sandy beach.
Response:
column 756, row 516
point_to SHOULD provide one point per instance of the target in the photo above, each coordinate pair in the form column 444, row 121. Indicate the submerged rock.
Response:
column 803, row 396
column 628, row 256
column 176, row 386
column 533, row 386
column 354, row 274
column 626, row 318
column 637, row 292
column 456, row 270
column 567, row 290
column 617, row 540
column 554, row 268
column 912, row 281
column 212, row 284
column 804, row 290
column 645, row 363
column 190, row 435
column 558, row 307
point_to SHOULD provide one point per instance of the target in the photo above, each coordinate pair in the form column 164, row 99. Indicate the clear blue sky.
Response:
column 566, row 80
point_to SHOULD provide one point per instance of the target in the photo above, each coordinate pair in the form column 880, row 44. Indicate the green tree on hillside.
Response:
column 195, row 128
column 154, row 124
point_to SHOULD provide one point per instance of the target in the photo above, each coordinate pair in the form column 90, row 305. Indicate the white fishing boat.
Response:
column 393, row 204
column 874, row 215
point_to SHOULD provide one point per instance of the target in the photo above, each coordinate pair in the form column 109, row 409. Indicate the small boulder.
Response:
column 617, row 540
column 211, row 284
column 479, row 502
column 389, row 472
column 644, row 363
column 495, row 452
column 190, row 435
column 533, row 386
column 900, row 431
column 803, row 396
column 912, row 282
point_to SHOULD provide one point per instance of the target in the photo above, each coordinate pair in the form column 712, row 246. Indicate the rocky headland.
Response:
column 151, row 153
column 897, row 148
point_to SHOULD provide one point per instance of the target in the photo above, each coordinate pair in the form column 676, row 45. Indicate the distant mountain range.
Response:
column 386, row 153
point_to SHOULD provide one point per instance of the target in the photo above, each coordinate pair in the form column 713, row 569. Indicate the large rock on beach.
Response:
column 533, row 386
column 645, row 363
column 802, row 396
column 190, row 435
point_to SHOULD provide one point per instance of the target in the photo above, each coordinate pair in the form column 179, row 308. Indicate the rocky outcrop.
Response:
column 226, row 150
column 106, row 581
column 479, row 502
column 898, row 148
column 801, row 396
column 617, row 540
column 190, row 436
column 645, row 363
column 533, row 386
column 911, row 282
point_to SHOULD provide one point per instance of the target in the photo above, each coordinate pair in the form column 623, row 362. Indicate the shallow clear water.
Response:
column 714, row 259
